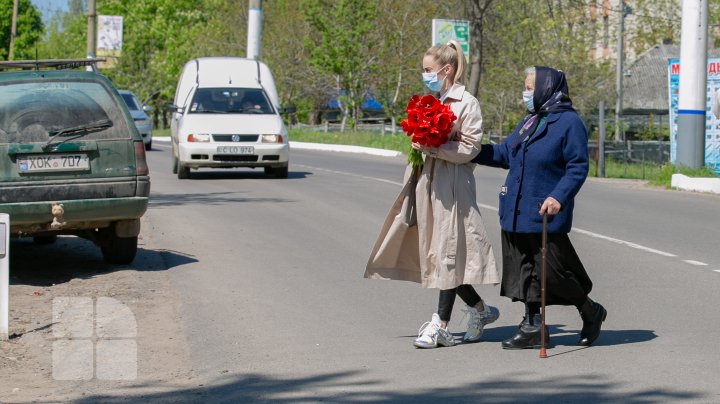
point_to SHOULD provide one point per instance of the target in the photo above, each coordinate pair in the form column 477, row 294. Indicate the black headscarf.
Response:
column 551, row 95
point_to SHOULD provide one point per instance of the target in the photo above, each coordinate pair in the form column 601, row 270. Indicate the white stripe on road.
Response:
column 623, row 242
column 606, row 238
column 577, row 230
column 717, row 270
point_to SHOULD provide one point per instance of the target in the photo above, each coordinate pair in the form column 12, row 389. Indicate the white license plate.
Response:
column 235, row 150
column 53, row 162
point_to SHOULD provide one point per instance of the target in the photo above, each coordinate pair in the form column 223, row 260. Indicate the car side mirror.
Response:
column 288, row 109
column 146, row 108
column 174, row 108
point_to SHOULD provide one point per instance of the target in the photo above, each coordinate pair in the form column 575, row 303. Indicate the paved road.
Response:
column 275, row 306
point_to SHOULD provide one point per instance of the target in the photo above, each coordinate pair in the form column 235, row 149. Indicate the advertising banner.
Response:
column 712, row 124
column 109, row 38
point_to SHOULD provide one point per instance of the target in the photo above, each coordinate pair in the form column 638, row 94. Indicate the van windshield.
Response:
column 230, row 101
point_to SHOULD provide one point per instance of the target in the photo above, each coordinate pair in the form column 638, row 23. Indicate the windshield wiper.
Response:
column 211, row 111
column 75, row 132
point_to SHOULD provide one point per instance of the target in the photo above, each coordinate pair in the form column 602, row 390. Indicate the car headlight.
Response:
column 272, row 138
column 201, row 137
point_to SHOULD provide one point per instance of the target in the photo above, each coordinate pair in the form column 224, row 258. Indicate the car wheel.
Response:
column 148, row 145
column 44, row 240
column 119, row 250
column 281, row 172
column 183, row 172
column 175, row 164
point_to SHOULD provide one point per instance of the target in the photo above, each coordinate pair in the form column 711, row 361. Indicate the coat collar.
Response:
column 455, row 92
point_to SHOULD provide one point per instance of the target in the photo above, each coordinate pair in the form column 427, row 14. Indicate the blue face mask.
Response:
column 431, row 81
column 528, row 100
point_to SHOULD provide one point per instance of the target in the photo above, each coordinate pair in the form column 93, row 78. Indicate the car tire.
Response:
column 183, row 172
column 148, row 145
column 281, row 172
column 119, row 250
column 45, row 240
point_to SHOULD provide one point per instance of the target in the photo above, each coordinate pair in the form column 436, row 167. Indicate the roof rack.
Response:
column 59, row 64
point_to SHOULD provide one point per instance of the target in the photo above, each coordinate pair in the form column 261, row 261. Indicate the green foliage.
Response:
column 29, row 29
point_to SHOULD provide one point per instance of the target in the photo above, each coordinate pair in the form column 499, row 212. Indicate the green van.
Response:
column 71, row 158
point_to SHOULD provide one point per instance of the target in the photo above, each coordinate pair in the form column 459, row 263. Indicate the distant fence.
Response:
column 634, row 152
column 368, row 125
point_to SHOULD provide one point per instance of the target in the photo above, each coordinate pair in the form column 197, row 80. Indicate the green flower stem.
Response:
column 415, row 158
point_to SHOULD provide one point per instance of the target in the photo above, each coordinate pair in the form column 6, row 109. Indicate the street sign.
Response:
column 445, row 30
column 109, row 38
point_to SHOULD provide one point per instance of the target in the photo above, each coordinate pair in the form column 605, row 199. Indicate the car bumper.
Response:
column 197, row 155
column 81, row 214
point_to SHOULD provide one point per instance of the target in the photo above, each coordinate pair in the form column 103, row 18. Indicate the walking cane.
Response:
column 543, row 251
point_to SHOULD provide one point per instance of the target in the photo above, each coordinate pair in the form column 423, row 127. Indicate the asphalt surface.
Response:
column 275, row 307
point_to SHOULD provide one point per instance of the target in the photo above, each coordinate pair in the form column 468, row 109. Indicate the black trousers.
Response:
column 568, row 283
column 447, row 299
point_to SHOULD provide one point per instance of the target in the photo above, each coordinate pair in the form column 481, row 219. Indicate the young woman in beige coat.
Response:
column 454, row 250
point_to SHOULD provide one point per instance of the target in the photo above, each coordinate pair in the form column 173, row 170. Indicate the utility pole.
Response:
column 692, row 87
column 91, row 29
column 619, row 136
column 13, row 29
column 254, row 37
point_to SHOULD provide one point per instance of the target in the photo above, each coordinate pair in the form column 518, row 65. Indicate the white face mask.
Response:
column 528, row 100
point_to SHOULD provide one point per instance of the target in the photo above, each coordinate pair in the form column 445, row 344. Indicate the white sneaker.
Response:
column 431, row 335
column 478, row 320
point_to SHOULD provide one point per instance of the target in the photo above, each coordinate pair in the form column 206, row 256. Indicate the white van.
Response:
column 226, row 113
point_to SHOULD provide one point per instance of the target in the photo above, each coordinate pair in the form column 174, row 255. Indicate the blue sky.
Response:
column 48, row 7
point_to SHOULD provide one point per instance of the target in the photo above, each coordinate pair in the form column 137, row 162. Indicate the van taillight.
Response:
column 141, row 167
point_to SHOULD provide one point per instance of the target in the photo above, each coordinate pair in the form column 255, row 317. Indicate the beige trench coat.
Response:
column 453, row 245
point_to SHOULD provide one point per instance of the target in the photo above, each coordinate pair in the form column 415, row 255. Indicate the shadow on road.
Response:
column 76, row 258
column 349, row 387
column 159, row 201
column 243, row 174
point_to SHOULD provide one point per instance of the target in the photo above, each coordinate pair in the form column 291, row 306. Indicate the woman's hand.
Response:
column 431, row 151
column 550, row 206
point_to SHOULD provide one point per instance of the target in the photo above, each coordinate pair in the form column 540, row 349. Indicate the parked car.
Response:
column 143, row 123
column 71, row 160
column 226, row 113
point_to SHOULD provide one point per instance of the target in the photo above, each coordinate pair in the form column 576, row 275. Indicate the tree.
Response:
column 29, row 29
column 341, row 46
column 66, row 35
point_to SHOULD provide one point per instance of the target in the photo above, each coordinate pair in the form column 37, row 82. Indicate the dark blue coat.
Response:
column 552, row 162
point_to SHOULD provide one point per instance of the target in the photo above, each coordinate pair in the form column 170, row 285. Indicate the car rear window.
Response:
column 130, row 101
column 230, row 101
column 33, row 112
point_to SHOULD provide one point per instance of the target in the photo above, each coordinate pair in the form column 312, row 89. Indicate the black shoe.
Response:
column 528, row 335
column 593, row 314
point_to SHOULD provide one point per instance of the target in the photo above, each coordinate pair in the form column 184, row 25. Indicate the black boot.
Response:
column 528, row 335
column 593, row 314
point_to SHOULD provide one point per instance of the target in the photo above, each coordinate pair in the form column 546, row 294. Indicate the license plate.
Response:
column 53, row 162
column 235, row 150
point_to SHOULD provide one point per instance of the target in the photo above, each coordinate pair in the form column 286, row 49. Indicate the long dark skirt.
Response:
column 567, row 282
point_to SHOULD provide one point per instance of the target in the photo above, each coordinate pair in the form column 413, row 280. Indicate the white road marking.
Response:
column 575, row 229
column 623, row 242
column 717, row 270
column 698, row 263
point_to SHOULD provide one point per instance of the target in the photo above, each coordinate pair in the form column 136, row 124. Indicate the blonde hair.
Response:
column 450, row 54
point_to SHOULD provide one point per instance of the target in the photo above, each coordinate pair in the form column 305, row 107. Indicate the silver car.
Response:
column 143, row 123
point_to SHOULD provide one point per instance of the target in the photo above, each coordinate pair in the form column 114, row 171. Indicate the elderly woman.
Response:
column 547, row 159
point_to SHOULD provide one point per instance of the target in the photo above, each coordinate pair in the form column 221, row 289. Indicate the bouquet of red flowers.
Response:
column 428, row 123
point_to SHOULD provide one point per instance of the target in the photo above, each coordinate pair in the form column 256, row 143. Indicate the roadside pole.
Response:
column 4, row 275
column 601, row 141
